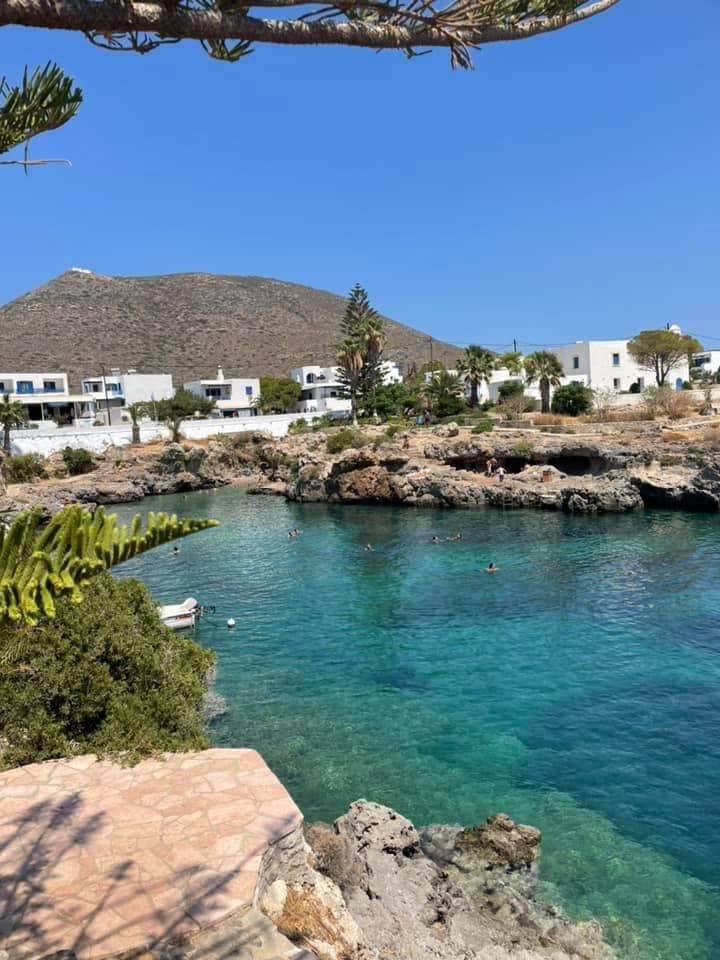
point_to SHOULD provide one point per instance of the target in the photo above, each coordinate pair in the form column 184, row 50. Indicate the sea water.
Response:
column 577, row 689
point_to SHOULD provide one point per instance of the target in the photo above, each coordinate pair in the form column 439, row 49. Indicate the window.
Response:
column 213, row 393
column 24, row 386
column 616, row 383
column 2, row 388
column 616, row 359
column 576, row 363
column 310, row 378
column 49, row 386
column 248, row 391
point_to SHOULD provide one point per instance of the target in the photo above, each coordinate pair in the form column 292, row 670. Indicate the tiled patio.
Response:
column 100, row 859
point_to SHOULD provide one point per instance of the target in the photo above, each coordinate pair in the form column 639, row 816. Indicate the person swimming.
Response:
column 435, row 540
column 491, row 568
column 176, row 550
column 368, row 547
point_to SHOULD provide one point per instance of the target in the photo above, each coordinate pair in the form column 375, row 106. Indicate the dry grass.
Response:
column 675, row 436
column 711, row 438
column 551, row 420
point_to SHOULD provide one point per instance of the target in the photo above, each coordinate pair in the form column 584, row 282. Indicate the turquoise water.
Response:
column 578, row 689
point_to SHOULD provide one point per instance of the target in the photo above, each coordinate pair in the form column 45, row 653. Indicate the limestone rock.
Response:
column 305, row 906
column 503, row 841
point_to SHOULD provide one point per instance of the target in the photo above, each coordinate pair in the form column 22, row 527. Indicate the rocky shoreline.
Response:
column 372, row 887
column 616, row 472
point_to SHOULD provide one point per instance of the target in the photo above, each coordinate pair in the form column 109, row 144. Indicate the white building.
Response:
column 123, row 389
column 607, row 365
column 46, row 397
column 322, row 390
column 233, row 396
column 706, row 363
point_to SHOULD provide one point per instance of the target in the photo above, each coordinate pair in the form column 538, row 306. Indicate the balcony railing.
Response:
column 35, row 391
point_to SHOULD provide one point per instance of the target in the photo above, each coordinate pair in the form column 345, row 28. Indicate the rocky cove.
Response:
column 608, row 469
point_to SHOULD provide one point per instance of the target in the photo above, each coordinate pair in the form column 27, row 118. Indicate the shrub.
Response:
column 523, row 449
column 547, row 420
column 298, row 426
column 393, row 429
column 345, row 439
column 634, row 387
column 24, row 467
column 103, row 677
column 511, row 388
column 482, row 426
column 664, row 401
column 572, row 399
column 77, row 460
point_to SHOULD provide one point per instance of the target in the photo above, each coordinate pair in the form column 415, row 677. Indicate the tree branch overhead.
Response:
column 227, row 30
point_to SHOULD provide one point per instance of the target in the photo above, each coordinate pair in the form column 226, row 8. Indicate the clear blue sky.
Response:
column 568, row 187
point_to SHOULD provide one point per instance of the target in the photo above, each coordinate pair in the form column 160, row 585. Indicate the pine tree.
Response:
column 360, row 351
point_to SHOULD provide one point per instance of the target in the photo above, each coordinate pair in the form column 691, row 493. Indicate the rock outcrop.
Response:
column 370, row 887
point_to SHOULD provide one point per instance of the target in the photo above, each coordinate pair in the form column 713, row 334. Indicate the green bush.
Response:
column 77, row 461
column 635, row 387
column 482, row 426
column 298, row 426
column 24, row 467
column 522, row 449
column 105, row 676
column 572, row 400
column 345, row 439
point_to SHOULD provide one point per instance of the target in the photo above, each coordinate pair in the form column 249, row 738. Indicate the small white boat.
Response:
column 178, row 616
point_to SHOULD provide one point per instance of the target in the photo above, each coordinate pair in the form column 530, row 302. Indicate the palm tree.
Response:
column 544, row 367
column 12, row 414
column 511, row 361
column 476, row 368
column 373, row 339
column 350, row 360
column 443, row 393
column 137, row 411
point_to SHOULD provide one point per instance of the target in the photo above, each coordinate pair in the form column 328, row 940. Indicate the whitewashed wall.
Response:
column 96, row 439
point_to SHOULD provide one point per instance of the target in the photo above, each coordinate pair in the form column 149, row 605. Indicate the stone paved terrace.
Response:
column 102, row 859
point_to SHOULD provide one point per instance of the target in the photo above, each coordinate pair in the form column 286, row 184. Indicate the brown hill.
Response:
column 184, row 324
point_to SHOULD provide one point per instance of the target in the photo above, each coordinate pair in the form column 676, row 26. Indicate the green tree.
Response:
column 572, row 399
column 350, row 361
column 444, row 394
column 278, row 394
column 182, row 406
column 228, row 31
column 137, row 411
column 511, row 361
column 545, row 368
column 661, row 350
column 360, row 351
column 102, row 677
column 475, row 368
column 395, row 399
column 12, row 414
column 41, row 565
column 44, row 100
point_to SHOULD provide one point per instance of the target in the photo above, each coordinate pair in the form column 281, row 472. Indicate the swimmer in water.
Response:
column 491, row 568
column 368, row 547
column 434, row 540
column 175, row 550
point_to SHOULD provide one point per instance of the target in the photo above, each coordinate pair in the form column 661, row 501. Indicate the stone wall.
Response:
column 47, row 440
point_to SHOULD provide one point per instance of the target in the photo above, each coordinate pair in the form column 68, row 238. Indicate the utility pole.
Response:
column 105, row 387
column 430, row 339
column 514, row 345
